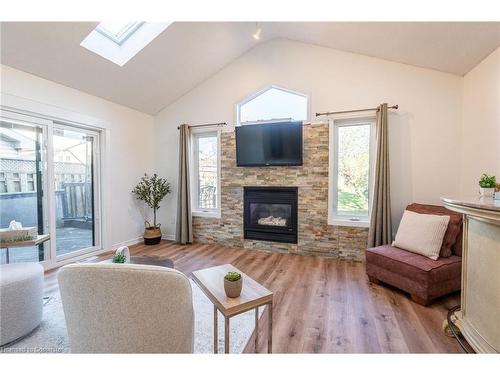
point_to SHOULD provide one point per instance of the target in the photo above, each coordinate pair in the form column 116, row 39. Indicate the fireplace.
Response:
column 270, row 213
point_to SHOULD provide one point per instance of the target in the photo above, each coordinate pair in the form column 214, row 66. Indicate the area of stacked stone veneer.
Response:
column 315, row 236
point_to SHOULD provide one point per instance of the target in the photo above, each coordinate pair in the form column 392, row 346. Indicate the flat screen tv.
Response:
column 269, row 144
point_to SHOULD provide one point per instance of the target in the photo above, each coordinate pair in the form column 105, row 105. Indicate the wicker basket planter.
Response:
column 152, row 235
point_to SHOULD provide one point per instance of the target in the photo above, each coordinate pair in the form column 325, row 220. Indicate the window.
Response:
column 118, row 42
column 30, row 182
column 69, row 211
column 3, row 183
column 75, row 203
column 351, row 145
column 205, row 173
column 118, row 31
column 16, row 183
column 273, row 103
column 19, row 163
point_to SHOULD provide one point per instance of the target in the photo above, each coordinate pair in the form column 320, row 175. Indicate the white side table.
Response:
column 253, row 295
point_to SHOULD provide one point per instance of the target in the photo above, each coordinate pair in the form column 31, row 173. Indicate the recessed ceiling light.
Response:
column 258, row 30
column 119, row 41
column 256, row 35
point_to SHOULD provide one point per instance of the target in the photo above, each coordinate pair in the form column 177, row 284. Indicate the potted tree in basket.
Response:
column 487, row 185
column 151, row 190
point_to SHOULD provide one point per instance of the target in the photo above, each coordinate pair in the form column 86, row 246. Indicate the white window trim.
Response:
column 46, row 172
column 47, row 114
column 333, row 124
column 49, row 206
column 120, row 53
column 195, row 211
column 124, row 34
column 260, row 92
column 96, row 134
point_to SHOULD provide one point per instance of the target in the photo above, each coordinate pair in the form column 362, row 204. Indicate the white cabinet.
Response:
column 478, row 318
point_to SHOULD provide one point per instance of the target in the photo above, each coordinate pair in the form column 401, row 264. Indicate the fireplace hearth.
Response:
column 270, row 213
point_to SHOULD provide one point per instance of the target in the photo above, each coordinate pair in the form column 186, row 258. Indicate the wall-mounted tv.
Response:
column 268, row 144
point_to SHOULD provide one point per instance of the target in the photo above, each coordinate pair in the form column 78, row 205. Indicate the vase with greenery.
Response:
column 487, row 185
column 119, row 258
column 151, row 190
column 233, row 283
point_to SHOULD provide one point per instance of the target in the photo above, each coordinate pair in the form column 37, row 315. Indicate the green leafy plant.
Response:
column 487, row 181
column 119, row 258
column 151, row 190
column 232, row 276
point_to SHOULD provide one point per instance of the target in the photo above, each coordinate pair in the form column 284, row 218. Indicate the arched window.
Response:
column 273, row 104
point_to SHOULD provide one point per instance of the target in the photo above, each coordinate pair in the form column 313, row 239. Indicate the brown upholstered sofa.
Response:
column 425, row 279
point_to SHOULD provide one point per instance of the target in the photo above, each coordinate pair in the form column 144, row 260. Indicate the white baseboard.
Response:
column 49, row 266
column 133, row 241
column 130, row 242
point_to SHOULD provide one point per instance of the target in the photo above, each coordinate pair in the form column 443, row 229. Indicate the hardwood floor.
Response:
column 320, row 305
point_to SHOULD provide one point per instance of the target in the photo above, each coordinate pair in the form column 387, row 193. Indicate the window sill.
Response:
column 349, row 223
column 212, row 214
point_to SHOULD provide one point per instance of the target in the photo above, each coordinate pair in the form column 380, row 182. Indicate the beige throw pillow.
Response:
column 421, row 233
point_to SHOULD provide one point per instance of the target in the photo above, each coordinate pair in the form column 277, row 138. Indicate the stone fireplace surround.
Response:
column 315, row 236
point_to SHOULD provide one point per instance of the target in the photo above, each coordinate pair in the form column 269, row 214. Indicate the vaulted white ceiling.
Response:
column 187, row 53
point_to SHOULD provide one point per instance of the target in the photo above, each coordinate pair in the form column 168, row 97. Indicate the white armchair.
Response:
column 127, row 308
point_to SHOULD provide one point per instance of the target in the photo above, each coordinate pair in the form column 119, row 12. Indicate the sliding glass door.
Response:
column 75, row 189
column 22, row 181
column 49, row 179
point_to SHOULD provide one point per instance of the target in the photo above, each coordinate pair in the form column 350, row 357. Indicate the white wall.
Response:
column 130, row 133
column 425, row 131
column 481, row 123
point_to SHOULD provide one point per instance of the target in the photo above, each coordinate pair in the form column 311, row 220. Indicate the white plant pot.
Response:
column 487, row 192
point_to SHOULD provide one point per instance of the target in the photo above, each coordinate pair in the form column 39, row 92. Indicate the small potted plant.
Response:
column 119, row 258
column 151, row 190
column 233, row 282
column 487, row 185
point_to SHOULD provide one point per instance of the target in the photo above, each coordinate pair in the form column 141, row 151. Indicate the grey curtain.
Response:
column 380, row 232
column 184, row 230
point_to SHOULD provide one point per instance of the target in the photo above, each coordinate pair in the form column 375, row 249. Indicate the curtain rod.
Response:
column 201, row 125
column 353, row 110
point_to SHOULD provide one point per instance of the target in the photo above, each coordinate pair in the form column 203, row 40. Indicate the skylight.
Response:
column 118, row 31
column 120, row 41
